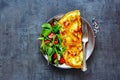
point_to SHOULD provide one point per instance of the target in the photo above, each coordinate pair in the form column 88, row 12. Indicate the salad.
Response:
column 51, row 42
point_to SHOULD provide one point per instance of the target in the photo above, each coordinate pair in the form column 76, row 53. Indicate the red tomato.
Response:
column 56, row 41
column 51, row 35
column 54, row 56
column 46, row 41
column 62, row 60
column 52, row 24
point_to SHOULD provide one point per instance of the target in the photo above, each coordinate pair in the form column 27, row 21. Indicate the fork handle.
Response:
column 84, row 57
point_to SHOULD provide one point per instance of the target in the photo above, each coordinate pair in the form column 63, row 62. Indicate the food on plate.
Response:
column 61, row 40
column 71, row 34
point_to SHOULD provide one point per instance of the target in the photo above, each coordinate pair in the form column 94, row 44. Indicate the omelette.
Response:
column 71, row 33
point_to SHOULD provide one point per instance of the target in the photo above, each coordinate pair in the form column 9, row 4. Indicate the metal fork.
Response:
column 84, row 40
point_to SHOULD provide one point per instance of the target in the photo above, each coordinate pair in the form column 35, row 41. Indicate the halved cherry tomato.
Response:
column 54, row 56
column 51, row 35
column 56, row 41
column 62, row 60
column 52, row 24
column 46, row 41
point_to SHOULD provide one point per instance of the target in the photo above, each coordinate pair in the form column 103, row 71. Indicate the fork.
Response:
column 84, row 40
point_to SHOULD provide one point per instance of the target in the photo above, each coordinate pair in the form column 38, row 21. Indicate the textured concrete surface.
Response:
column 20, row 22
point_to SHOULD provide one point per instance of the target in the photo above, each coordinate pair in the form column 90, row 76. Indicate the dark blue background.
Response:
column 20, row 22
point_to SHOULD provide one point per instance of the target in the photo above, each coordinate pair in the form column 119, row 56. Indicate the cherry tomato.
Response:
column 54, row 56
column 62, row 60
column 52, row 24
column 51, row 35
column 56, row 41
column 46, row 41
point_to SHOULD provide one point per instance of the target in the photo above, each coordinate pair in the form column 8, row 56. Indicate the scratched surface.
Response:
column 20, row 22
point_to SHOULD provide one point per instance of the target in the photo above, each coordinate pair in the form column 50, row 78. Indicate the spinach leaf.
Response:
column 59, row 38
column 63, row 51
column 56, row 28
column 56, row 61
column 58, row 47
column 49, row 58
column 49, row 51
column 50, row 44
column 57, row 52
column 43, row 46
column 46, row 38
column 47, row 26
column 41, row 38
column 45, row 32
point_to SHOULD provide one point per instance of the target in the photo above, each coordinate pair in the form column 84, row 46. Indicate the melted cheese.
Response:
column 71, row 34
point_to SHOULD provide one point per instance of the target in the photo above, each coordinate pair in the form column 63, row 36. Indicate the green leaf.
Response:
column 62, row 51
column 46, row 38
column 53, row 39
column 59, row 38
column 46, row 32
column 43, row 46
column 49, row 51
column 49, row 58
column 55, row 50
column 41, row 38
column 56, row 28
column 58, row 47
column 56, row 61
column 46, row 26
column 50, row 44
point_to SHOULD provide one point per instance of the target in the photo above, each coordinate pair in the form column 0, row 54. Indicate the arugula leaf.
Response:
column 56, row 61
column 56, row 28
column 63, row 51
column 59, row 38
column 58, row 47
column 45, row 32
column 46, row 38
column 50, row 44
column 40, row 38
column 43, row 46
column 49, row 58
column 47, row 26
column 53, row 39
column 49, row 51
column 57, row 52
